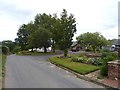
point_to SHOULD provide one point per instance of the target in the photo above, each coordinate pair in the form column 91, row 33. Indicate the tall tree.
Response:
column 22, row 36
column 67, row 30
column 31, row 28
column 55, row 31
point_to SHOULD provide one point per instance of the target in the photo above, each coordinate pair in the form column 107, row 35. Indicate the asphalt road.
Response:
column 37, row 72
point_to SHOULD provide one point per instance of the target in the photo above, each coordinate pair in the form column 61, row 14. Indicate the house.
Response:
column 116, row 44
column 76, row 47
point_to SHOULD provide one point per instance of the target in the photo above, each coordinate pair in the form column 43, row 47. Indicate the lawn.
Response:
column 34, row 53
column 74, row 66
column 2, row 63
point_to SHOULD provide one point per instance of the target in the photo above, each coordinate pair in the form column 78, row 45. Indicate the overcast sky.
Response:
column 91, row 15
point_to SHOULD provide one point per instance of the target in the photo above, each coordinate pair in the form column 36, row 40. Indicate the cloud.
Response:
column 11, row 11
column 91, row 15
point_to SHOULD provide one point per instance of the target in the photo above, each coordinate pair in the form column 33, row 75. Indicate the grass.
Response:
column 34, row 53
column 74, row 66
column 2, row 63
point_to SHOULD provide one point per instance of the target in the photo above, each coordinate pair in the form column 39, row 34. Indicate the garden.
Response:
column 85, row 63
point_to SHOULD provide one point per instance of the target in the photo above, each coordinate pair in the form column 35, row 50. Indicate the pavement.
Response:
column 37, row 72
column 111, row 83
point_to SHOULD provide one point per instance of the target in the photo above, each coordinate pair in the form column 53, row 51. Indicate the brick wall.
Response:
column 114, row 70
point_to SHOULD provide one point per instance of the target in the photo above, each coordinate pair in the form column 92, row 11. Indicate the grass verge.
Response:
column 2, row 63
column 34, row 53
column 74, row 66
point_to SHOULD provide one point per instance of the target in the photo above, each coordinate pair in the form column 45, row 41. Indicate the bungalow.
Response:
column 76, row 47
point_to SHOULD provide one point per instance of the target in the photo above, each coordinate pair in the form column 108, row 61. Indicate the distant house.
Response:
column 76, row 47
column 114, row 47
column 116, row 44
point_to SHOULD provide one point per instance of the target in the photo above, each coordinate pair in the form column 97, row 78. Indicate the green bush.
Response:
column 16, row 49
column 81, row 59
column 106, row 54
column 104, row 70
column 81, row 55
column 74, row 59
column 115, row 55
column 78, row 59
column 105, row 50
column 89, row 60
column 88, row 50
column 5, row 50
column 96, row 61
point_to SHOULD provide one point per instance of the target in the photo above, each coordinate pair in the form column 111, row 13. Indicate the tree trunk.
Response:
column 94, row 49
column 45, row 49
column 32, row 49
column 53, row 47
column 65, row 52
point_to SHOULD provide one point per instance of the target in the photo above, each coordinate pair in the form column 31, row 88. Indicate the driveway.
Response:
column 37, row 72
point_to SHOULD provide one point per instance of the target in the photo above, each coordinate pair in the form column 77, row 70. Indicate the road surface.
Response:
column 37, row 72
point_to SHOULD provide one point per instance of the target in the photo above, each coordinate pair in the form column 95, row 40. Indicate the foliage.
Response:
column 106, row 57
column 40, row 38
column 103, row 71
column 34, row 53
column 47, row 30
column 109, row 56
column 5, row 50
column 88, row 50
column 11, row 45
column 22, row 34
column 94, row 61
column 16, row 49
column 94, row 40
column 67, row 30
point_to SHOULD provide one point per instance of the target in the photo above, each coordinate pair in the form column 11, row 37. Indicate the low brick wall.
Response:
column 114, row 70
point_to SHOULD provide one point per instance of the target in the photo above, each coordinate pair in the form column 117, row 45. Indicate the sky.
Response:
column 91, row 15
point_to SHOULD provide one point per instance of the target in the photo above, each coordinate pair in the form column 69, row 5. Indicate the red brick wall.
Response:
column 114, row 71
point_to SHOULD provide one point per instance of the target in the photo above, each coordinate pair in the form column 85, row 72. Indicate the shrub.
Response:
column 88, row 50
column 104, row 70
column 74, row 59
column 81, row 59
column 115, row 55
column 16, row 49
column 106, row 50
column 5, row 50
column 96, row 61
column 105, row 54
column 89, row 60
column 81, row 55
column 78, row 59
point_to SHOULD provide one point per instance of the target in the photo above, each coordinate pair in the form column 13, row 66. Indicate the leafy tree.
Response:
column 9, row 44
column 22, row 36
column 67, row 30
column 43, row 20
column 40, row 38
column 31, row 41
column 55, row 31
column 95, row 40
